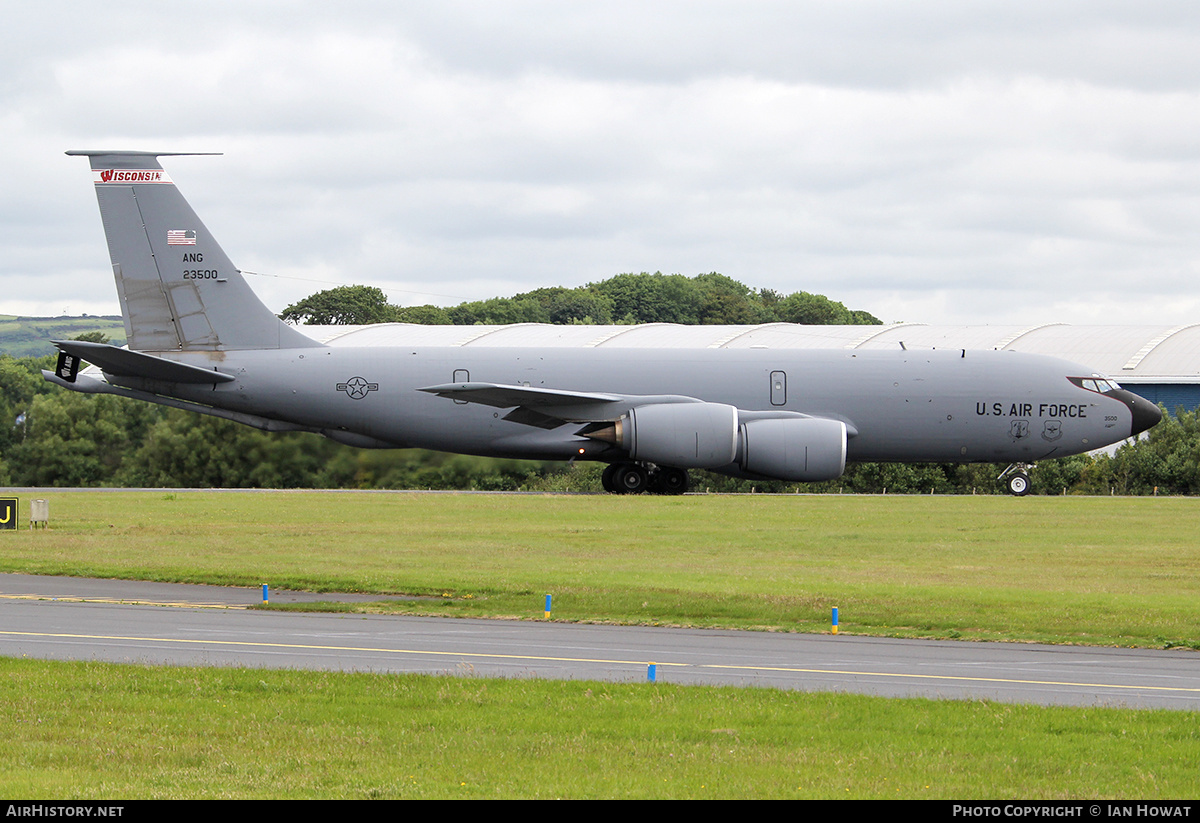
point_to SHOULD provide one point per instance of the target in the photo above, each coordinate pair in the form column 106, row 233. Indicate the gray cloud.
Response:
column 937, row 161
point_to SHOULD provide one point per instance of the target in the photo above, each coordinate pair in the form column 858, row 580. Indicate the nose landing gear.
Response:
column 1016, row 479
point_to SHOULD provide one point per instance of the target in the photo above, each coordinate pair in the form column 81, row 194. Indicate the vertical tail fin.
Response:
column 178, row 289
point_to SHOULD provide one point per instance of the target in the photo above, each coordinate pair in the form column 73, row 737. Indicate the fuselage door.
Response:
column 778, row 388
column 461, row 376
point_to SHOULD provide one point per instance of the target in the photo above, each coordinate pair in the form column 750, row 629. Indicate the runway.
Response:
column 154, row 623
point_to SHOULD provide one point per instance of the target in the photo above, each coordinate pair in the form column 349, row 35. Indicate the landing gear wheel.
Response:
column 1017, row 484
column 606, row 479
column 671, row 481
column 630, row 478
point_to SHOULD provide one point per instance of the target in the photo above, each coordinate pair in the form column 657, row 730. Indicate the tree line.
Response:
column 706, row 299
column 53, row 437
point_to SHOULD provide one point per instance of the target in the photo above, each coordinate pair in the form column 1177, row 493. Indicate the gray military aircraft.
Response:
column 199, row 339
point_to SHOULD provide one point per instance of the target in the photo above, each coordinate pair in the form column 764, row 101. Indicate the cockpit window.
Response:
column 1095, row 383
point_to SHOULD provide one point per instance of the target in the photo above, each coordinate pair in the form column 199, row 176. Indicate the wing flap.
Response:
column 532, row 417
column 505, row 397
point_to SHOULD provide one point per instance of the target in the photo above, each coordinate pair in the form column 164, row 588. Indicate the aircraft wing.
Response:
column 551, row 408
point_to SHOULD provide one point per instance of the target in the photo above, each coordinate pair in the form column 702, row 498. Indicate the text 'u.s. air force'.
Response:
column 1056, row 410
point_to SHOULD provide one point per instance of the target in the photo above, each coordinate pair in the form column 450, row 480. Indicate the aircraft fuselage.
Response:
column 937, row 406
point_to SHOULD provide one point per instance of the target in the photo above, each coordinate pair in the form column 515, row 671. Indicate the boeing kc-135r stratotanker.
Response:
column 199, row 339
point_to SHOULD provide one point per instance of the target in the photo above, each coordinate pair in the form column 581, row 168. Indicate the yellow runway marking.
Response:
column 963, row 678
column 312, row 647
column 121, row 601
column 490, row 656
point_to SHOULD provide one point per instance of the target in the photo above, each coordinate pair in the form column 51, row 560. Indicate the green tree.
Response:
column 1166, row 459
column 427, row 315
column 92, row 337
column 711, row 298
column 198, row 451
column 499, row 311
column 816, row 310
column 341, row 306
column 1052, row 476
column 726, row 302
column 652, row 298
column 563, row 306
column 20, row 382
column 864, row 318
column 78, row 440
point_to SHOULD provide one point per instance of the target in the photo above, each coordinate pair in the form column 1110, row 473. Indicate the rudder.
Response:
column 179, row 291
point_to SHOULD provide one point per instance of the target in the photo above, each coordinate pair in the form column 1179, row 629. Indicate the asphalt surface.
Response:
column 159, row 623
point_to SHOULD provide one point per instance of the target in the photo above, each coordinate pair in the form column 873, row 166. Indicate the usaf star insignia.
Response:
column 357, row 387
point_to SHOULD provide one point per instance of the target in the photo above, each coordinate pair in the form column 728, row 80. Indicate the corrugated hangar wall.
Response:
column 1170, row 396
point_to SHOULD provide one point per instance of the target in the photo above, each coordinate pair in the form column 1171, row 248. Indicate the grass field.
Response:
column 90, row 730
column 1065, row 570
column 1117, row 571
column 31, row 336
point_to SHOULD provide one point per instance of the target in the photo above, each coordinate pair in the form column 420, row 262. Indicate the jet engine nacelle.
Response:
column 687, row 435
column 793, row 448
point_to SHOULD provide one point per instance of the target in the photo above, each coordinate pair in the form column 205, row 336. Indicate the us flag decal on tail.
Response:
column 181, row 237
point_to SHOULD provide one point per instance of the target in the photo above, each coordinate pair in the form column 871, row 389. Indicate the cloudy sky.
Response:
column 928, row 161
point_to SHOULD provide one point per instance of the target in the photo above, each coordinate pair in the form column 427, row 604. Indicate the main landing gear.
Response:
column 1016, row 479
column 636, row 478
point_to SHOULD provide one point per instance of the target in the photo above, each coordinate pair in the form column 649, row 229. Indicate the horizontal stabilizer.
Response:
column 125, row 153
column 126, row 363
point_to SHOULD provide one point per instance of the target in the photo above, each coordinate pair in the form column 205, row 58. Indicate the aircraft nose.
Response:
column 1145, row 414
